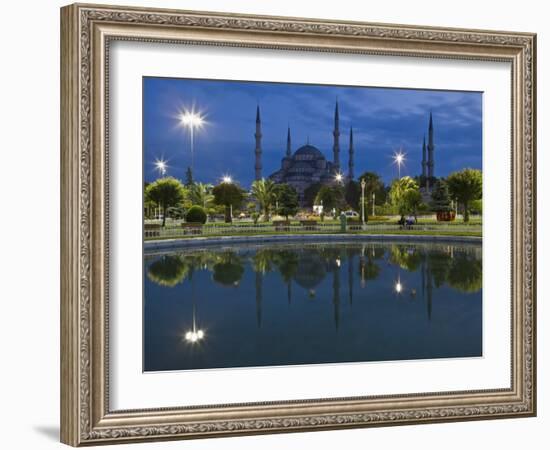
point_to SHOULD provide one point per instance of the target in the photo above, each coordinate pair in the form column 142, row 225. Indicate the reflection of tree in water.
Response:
column 466, row 273
column 168, row 271
column 310, row 270
column 459, row 268
column 405, row 256
column 263, row 259
column 261, row 264
column 287, row 264
column 368, row 269
column 439, row 263
column 229, row 269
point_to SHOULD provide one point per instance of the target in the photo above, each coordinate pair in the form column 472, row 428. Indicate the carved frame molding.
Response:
column 86, row 32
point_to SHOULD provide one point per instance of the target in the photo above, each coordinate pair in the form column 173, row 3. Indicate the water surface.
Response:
column 266, row 305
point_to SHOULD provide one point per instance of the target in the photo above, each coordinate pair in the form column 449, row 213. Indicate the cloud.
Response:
column 383, row 119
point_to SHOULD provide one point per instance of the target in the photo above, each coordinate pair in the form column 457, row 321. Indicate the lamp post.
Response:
column 399, row 158
column 192, row 120
column 363, row 184
column 161, row 166
column 228, row 180
column 373, row 200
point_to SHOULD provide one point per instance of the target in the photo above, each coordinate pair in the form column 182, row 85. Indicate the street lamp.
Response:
column 373, row 200
column 161, row 166
column 363, row 184
column 339, row 178
column 192, row 120
column 228, row 180
column 399, row 158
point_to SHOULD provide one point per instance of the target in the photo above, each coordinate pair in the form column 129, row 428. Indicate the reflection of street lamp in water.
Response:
column 362, row 266
column 398, row 286
column 195, row 334
column 363, row 184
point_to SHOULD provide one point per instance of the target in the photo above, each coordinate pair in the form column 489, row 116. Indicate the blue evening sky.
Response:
column 383, row 120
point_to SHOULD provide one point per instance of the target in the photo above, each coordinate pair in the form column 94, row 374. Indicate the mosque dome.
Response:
column 309, row 151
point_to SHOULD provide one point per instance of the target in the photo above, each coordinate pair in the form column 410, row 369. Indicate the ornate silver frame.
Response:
column 86, row 31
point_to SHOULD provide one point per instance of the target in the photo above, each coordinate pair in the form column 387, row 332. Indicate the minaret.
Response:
column 288, row 145
column 336, row 134
column 424, row 162
column 431, row 148
column 258, row 151
column 350, row 164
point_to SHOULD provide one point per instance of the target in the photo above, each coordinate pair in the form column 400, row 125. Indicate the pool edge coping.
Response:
column 176, row 243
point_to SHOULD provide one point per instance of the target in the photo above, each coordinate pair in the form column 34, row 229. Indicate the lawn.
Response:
column 367, row 232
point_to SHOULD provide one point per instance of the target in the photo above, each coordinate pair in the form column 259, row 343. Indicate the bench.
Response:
column 281, row 225
column 354, row 225
column 192, row 227
column 151, row 230
column 309, row 225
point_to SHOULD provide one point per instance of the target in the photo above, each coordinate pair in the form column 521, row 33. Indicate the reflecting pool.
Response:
column 277, row 304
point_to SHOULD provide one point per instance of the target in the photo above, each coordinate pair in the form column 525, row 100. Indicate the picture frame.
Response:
column 87, row 31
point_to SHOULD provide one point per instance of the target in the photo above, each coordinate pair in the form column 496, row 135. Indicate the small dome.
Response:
column 309, row 150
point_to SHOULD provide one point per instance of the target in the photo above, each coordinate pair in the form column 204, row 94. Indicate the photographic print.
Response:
column 296, row 204
column 290, row 224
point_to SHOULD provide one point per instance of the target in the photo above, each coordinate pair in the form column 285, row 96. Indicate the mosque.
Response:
column 308, row 165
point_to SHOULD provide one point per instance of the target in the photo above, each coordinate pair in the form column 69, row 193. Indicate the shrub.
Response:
column 196, row 214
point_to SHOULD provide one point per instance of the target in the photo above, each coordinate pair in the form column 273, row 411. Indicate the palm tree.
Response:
column 264, row 191
column 405, row 195
column 201, row 194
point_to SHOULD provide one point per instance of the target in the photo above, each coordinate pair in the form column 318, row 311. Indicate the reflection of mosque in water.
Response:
column 459, row 268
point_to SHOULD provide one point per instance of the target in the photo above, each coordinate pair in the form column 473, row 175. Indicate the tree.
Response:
column 229, row 195
column 476, row 206
column 352, row 195
column 287, row 200
column 175, row 212
column 165, row 192
column 331, row 197
column 310, row 193
column 373, row 183
column 441, row 201
column 466, row 186
column 189, row 177
column 412, row 199
column 405, row 196
column 201, row 194
column 264, row 191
